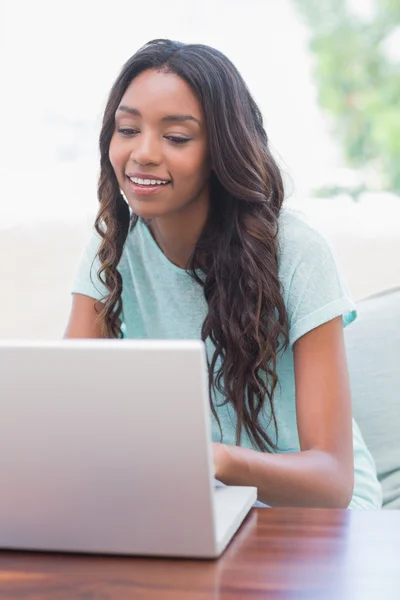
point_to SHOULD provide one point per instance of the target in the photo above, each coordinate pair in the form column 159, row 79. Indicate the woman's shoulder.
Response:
column 296, row 231
column 313, row 288
column 299, row 240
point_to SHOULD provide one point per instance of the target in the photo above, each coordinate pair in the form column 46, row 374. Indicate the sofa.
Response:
column 373, row 354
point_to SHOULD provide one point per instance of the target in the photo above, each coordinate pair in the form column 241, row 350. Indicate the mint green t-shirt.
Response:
column 162, row 301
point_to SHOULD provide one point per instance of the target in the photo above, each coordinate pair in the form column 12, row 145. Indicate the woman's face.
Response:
column 159, row 148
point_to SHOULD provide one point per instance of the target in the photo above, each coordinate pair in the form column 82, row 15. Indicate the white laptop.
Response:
column 105, row 447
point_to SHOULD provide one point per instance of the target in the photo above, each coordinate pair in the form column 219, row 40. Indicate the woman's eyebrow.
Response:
column 167, row 119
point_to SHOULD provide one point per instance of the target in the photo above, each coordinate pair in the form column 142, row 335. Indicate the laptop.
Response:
column 105, row 447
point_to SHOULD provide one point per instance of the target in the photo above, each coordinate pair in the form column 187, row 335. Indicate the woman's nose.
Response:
column 146, row 150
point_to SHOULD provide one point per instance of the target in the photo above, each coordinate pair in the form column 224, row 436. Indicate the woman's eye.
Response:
column 130, row 132
column 177, row 140
column 126, row 132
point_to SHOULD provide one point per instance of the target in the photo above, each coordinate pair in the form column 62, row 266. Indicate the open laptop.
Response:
column 105, row 447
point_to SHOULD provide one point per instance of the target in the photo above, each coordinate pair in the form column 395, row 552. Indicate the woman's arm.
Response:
column 322, row 474
column 83, row 320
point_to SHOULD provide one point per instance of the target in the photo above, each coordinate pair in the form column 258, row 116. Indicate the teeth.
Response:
column 147, row 181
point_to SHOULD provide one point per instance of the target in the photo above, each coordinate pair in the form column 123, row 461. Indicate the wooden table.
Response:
column 280, row 554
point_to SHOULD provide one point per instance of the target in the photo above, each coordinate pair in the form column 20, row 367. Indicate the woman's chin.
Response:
column 146, row 211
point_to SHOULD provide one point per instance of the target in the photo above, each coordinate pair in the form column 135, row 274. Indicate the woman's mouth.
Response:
column 145, row 187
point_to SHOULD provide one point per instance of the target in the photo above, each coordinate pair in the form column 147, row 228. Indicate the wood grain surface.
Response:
column 282, row 554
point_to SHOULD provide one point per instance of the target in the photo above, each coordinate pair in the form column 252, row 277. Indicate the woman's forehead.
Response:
column 155, row 92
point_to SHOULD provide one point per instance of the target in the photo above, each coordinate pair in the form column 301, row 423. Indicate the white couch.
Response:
column 373, row 352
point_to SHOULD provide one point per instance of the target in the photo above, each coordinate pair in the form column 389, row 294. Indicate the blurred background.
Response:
column 326, row 75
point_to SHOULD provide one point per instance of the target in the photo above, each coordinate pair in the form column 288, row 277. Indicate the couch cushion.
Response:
column 373, row 352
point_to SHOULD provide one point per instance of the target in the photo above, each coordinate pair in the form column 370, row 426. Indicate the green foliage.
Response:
column 358, row 84
column 332, row 191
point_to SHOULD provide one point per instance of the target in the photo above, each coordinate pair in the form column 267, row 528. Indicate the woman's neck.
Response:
column 177, row 234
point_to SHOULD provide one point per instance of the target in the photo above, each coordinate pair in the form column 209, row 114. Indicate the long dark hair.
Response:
column 237, row 250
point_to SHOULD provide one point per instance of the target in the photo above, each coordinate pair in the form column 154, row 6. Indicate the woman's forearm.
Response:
column 310, row 478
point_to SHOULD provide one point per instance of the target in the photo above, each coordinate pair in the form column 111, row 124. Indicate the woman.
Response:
column 192, row 241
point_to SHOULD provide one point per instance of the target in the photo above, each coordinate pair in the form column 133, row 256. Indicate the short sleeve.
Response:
column 87, row 281
column 314, row 290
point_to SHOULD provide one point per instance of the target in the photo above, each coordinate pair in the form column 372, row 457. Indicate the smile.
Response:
column 139, row 181
column 146, row 187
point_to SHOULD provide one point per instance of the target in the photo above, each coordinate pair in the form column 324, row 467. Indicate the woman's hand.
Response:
column 222, row 460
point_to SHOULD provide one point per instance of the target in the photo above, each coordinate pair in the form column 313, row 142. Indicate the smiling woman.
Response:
column 154, row 141
column 192, row 241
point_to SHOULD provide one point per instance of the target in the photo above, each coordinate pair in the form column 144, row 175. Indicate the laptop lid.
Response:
column 105, row 447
